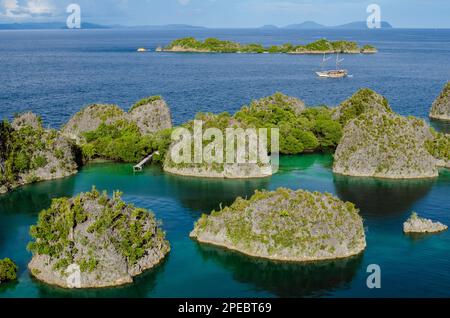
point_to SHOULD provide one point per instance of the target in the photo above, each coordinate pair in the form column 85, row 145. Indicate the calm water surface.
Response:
column 411, row 266
column 57, row 72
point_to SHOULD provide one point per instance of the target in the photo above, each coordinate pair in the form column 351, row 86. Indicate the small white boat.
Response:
column 336, row 73
column 142, row 50
column 333, row 73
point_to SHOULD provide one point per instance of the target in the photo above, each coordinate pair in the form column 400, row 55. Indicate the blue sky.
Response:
column 230, row 13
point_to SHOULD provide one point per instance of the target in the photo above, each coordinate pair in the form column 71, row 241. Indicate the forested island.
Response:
column 367, row 138
column 104, row 240
column 286, row 225
column 440, row 110
column 213, row 45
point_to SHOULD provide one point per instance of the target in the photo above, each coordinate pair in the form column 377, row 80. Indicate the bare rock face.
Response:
column 278, row 99
column 416, row 224
column 92, row 241
column 90, row 118
column 364, row 100
column 385, row 145
column 27, row 119
column 151, row 115
column 286, row 225
column 441, row 106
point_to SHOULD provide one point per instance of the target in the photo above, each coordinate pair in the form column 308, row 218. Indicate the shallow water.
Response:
column 411, row 266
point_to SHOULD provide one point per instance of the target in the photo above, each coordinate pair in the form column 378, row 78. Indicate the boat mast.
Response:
column 338, row 61
column 324, row 60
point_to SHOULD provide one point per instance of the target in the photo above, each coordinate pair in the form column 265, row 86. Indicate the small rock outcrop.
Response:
column 385, row 145
column 92, row 241
column 90, row 118
column 30, row 153
column 8, row 271
column 416, row 224
column 441, row 106
column 364, row 100
column 151, row 115
column 286, row 225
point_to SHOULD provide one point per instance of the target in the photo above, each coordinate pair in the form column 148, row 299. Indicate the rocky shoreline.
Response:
column 101, row 242
column 440, row 110
column 368, row 138
column 230, row 171
column 382, row 144
column 286, row 225
column 416, row 224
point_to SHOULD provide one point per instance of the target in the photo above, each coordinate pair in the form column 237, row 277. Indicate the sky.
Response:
column 230, row 13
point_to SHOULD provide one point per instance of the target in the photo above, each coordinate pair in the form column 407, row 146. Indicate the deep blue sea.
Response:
column 56, row 73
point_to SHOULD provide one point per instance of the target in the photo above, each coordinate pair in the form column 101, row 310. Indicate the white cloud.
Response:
column 27, row 8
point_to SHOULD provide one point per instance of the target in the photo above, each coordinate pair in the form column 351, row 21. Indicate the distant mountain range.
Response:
column 352, row 25
column 62, row 25
column 359, row 25
column 47, row 26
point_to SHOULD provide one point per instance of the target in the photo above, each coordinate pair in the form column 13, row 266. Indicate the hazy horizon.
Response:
column 229, row 13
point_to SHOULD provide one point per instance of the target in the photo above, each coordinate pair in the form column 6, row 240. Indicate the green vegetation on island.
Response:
column 146, row 101
column 123, row 142
column 301, row 129
column 286, row 225
column 440, row 109
column 8, row 270
column 439, row 147
column 364, row 100
column 110, row 241
column 213, row 45
column 380, row 143
column 30, row 153
column 108, row 132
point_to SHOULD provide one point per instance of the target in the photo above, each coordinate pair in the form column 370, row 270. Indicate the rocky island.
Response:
column 8, row 271
column 108, row 132
column 150, row 115
column 379, row 143
column 301, row 129
column 213, row 45
column 286, row 225
column 93, row 241
column 416, row 224
column 30, row 153
column 441, row 107
column 218, row 166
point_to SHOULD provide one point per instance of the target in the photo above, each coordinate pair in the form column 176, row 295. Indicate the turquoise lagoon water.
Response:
column 411, row 266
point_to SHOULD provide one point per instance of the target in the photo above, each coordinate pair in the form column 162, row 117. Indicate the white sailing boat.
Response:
column 336, row 73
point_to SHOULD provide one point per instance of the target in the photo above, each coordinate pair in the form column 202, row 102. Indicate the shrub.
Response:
column 8, row 270
column 145, row 101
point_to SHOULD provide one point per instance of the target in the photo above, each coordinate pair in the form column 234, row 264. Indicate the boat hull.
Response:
column 333, row 74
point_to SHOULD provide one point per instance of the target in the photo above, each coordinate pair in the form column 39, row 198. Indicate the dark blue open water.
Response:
column 55, row 73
